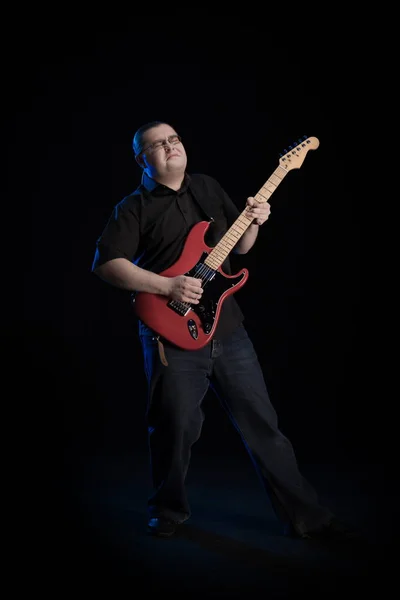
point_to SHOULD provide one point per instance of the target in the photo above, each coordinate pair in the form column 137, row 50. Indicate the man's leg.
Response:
column 174, row 418
column 238, row 381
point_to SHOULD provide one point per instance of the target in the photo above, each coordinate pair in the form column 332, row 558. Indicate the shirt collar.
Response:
column 153, row 186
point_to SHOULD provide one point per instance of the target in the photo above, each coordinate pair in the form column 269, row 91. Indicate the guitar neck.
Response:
column 242, row 223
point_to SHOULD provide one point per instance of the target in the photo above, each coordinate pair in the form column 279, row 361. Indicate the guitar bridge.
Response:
column 182, row 308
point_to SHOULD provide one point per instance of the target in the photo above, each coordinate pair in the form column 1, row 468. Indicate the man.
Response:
column 144, row 236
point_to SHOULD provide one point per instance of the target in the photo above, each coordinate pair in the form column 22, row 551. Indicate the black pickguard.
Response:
column 212, row 292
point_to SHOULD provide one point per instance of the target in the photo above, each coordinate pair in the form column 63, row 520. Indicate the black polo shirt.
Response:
column 149, row 228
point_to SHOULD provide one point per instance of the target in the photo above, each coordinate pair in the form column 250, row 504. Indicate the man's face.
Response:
column 162, row 152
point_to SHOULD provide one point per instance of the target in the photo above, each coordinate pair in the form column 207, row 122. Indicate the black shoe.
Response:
column 161, row 527
column 334, row 531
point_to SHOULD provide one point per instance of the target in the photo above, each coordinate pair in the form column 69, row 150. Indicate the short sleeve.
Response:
column 120, row 237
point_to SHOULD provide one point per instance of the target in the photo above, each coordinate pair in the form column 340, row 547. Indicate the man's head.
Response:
column 159, row 151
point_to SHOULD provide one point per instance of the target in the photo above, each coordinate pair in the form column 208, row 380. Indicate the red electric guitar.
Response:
column 192, row 326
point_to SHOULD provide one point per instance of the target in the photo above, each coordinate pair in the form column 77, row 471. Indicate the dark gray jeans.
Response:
column 175, row 419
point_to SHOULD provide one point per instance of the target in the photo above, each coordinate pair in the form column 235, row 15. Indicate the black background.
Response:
column 74, row 98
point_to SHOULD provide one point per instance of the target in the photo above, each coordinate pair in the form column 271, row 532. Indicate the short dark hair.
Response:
column 137, row 143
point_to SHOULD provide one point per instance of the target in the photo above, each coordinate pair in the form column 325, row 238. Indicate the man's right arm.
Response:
column 123, row 274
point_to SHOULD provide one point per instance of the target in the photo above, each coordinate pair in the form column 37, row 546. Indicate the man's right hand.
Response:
column 185, row 289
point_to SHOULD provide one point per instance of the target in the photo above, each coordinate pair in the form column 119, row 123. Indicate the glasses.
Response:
column 172, row 140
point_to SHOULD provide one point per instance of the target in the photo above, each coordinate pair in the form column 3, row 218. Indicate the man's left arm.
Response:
column 259, row 212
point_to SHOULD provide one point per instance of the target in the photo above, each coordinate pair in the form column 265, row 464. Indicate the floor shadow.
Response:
column 231, row 546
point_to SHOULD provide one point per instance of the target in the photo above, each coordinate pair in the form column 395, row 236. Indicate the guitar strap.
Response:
column 161, row 352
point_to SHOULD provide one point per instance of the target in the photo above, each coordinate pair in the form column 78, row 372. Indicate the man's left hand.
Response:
column 259, row 211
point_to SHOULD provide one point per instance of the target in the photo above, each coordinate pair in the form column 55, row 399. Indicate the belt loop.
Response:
column 214, row 348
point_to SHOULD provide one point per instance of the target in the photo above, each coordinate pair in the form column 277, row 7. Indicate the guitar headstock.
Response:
column 294, row 157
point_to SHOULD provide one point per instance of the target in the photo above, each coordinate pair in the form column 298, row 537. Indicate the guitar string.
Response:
column 201, row 271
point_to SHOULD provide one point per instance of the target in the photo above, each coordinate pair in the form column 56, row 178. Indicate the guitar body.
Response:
column 188, row 326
